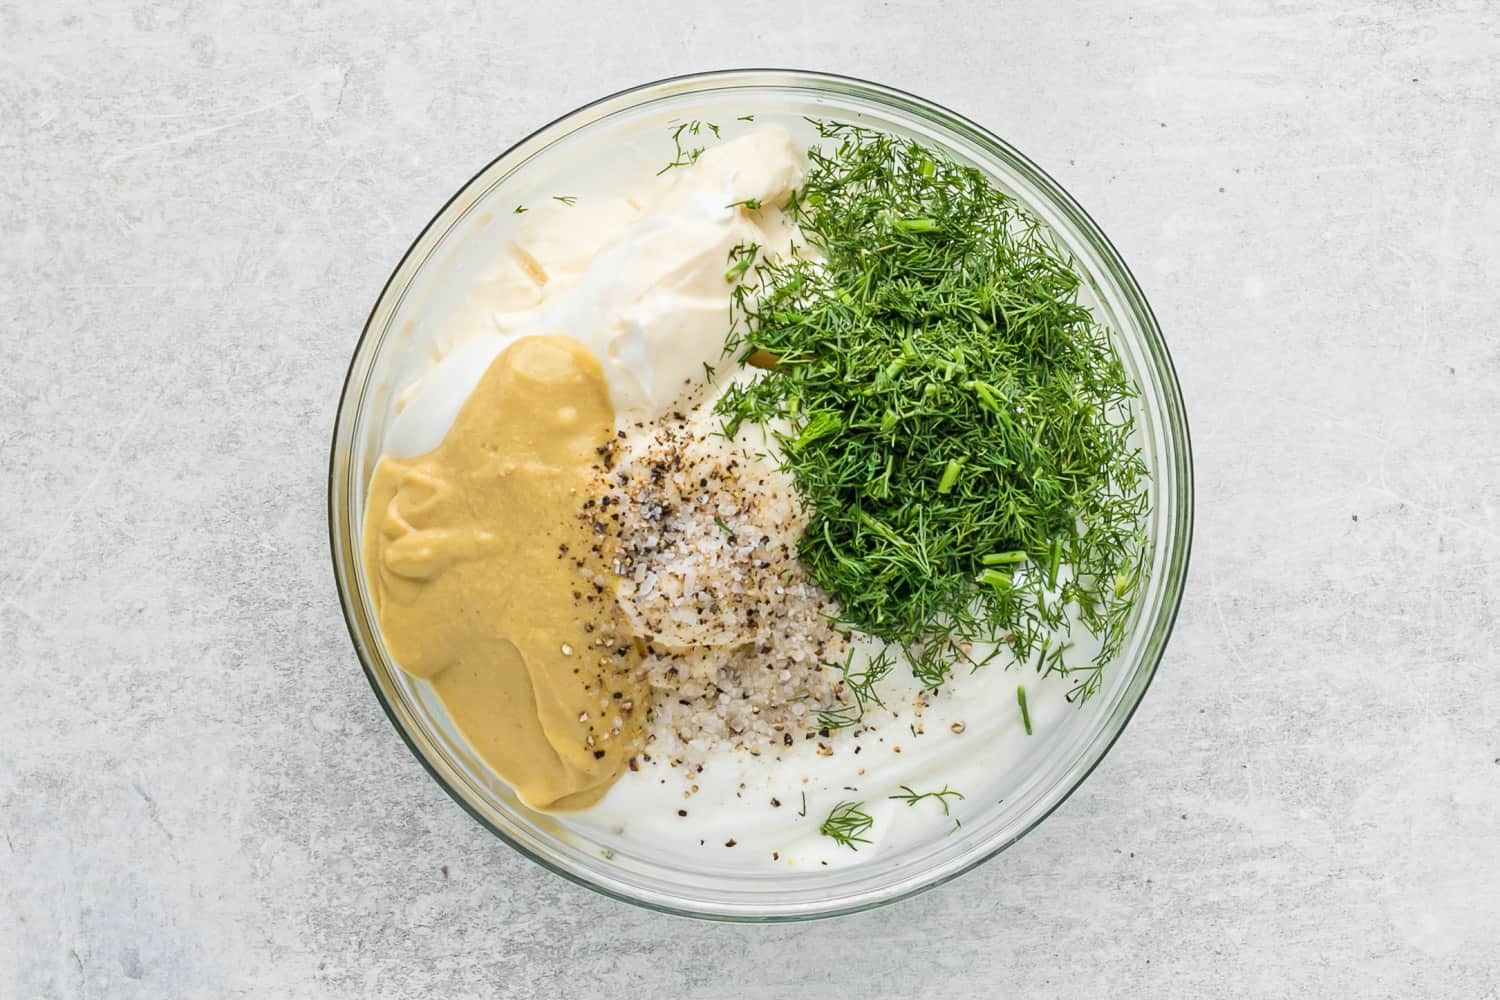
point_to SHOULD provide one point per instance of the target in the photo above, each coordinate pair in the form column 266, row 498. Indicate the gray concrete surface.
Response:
column 199, row 796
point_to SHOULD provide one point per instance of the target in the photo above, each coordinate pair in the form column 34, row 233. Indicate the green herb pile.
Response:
column 959, row 424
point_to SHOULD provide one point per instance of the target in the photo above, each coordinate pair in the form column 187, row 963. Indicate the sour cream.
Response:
column 638, row 280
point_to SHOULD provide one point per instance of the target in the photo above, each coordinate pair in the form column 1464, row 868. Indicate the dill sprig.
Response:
column 741, row 259
column 958, row 423
column 861, row 684
column 847, row 824
column 687, row 155
column 911, row 797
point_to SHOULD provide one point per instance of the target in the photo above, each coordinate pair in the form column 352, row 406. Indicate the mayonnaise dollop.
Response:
column 640, row 281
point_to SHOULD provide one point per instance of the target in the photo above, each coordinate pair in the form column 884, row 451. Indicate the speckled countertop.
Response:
column 199, row 796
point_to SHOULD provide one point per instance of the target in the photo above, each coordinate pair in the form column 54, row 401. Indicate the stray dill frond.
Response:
column 741, row 259
column 686, row 155
column 566, row 199
column 847, row 824
column 859, row 683
column 911, row 797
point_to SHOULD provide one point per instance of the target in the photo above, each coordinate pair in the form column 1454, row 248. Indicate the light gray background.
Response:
column 199, row 796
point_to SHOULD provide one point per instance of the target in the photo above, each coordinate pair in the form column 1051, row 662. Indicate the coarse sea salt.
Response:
column 708, row 570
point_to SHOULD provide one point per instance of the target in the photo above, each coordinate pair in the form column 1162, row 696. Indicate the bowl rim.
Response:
column 1176, row 417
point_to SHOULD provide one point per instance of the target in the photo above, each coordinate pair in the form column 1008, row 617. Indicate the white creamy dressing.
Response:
column 640, row 281
column 922, row 752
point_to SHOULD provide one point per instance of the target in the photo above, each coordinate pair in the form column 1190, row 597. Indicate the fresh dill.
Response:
column 753, row 204
column 847, row 824
column 519, row 210
column 859, row 683
column 955, row 418
column 911, row 797
column 724, row 527
column 1086, row 677
column 745, row 118
column 1025, row 712
column 803, row 810
column 741, row 259
column 687, row 155
column 566, row 199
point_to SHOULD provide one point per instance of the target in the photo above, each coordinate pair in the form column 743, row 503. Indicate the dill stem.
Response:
column 950, row 475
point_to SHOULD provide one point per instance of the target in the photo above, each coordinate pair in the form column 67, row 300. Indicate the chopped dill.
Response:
column 803, row 811
column 724, row 527
column 566, row 199
column 1025, row 712
column 847, row 824
column 688, row 155
column 753, row 204
column 911, row 797
column 519, row 210
column 741, row 259
column 745, row 118
column 956, row 420
column 861, row 684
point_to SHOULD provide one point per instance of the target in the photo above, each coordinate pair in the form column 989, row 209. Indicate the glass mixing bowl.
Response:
column 431, row 281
